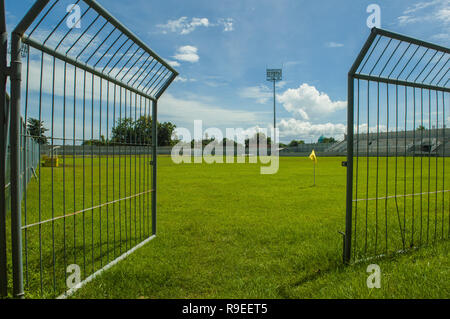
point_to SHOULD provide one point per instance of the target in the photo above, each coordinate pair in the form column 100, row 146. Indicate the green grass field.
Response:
column 90, row 238
column 226, row 231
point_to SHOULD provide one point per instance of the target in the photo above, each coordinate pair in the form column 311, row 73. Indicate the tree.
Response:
column 204, row 141
column 143, row 127
column 256, row 139
column 36, row 129
column 165, row 131
column 226, row 140
column 421, row 128
column 123, row 132
column 95, row 142
column 327, row 140
column 138, row 132
column 295, row 143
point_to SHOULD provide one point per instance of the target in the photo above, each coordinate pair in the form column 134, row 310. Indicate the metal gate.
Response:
column 398, row 188
column 91, row 86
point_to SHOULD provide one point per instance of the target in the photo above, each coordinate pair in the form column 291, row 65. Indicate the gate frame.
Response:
column 14, row 73
column 352, row 75
column 4, row 123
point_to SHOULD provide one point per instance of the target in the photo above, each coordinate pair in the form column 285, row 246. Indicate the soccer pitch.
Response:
column 226, row 231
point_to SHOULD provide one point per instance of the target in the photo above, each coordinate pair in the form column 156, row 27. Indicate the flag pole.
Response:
column 314, row 173
column 313, row 157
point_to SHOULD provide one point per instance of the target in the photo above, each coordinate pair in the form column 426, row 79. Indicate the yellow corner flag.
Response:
column 313, row 157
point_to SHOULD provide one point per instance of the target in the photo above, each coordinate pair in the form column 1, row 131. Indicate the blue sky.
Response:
column 222, row 48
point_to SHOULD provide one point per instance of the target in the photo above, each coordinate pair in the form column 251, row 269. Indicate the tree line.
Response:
column 139, row 132
column 127, row 131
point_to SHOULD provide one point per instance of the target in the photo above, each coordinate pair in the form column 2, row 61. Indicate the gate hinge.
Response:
column 344, row 164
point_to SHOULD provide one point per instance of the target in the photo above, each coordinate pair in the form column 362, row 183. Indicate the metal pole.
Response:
column 154, row 162
column 349, row 199
column 274, row 114
column 314, row 173
column 3, row 134
column 31, row 15
column 16, row 218
column 350, row 113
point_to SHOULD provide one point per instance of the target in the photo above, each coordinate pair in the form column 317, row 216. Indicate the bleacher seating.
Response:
column 427, row 142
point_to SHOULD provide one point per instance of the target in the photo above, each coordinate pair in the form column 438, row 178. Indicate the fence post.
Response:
column 3, row 134
column 16, row 214
column 349, row 198
column 154, row 161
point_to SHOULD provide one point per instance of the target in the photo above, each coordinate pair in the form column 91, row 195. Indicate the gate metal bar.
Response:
column 16, row 213
column 4, row 123
column 118, row 64
column 154, row 164
column 389, row 62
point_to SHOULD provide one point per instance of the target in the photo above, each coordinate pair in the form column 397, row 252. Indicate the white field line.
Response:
column 72, row 290
column 400, row 196
column 85, row 210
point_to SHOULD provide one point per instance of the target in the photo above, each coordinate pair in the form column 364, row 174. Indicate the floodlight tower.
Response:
column 274, row 75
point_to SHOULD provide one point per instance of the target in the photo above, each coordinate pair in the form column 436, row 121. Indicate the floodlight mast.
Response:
column 274, row 75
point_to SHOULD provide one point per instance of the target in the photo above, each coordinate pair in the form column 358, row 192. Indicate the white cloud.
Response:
column 307, row 102
column 196, row 22
column 281, row 84
column 187, row 53
column 185, row 26
column 405, row 19
column 66, row 46
column 443, row 14
column 432, row 11
column 184, row 80
column 185, row 111
column 299, row 129
column 419, row 6
column 441, row 36
column 215, row 80
column 227, row 24
column 333, row 45
column 173, row 63
column 260, row 93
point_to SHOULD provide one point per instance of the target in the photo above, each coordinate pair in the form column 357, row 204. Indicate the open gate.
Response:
column 398, row 147
column 88, row 89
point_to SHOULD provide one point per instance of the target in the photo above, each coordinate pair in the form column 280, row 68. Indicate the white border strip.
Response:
column 72, row 290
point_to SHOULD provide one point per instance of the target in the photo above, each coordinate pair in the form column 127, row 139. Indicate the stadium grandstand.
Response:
column 434, row 142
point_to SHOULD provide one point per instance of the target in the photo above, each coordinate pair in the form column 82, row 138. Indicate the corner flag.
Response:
column 313, row 157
